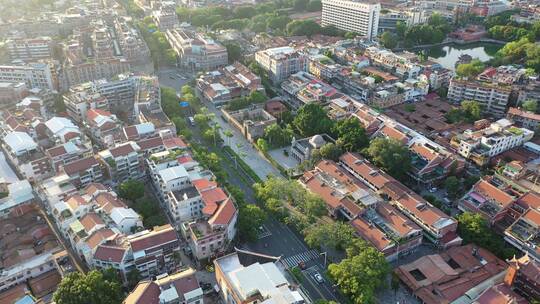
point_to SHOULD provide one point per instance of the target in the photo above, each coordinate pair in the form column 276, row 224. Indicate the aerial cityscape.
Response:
column 270, row 151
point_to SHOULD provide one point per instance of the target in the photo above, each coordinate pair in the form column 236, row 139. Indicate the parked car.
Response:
column 318, row 277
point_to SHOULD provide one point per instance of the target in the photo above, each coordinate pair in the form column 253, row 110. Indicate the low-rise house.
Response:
column 180, row 287
column 492, row 197
column 211, row 235
column 62, row 130
column 251, row 121
column 247, row 277
column 438, row 227
column 26, row 156
column 302, row 149
column 524, row 233
column 522, row 276
column 228, row 83
column 524, row 119
column 103, row 127
column 480, row 146
column 20, row 193
column 139, row 131
column 444, row 277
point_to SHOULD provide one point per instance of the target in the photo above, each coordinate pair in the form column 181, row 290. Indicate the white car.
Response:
column 318, row 277
column 433, row 190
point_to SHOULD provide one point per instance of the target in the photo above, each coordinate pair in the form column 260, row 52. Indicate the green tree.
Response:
column 471, row 69
column 131, row 190
column 244, row 11
column 250, row 218
column 530, row 105
column 300, row 5
column 361, row 273
column 314, row 6
column 257, row 97
column 452, row 186
column 311, row 119
column 350, row 134
column 303, row 28
column 262, row 145
column 276, row 136
column 390, row 155
column 90, row 288
column 133, row 277
column 472, row 110
column 401, row 29
column 330, row 151
column 336, row 235
column 389, row 40
column 234, row 51
column 473, row 228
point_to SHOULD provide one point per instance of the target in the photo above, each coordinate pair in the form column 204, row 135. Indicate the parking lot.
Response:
column 174, row 78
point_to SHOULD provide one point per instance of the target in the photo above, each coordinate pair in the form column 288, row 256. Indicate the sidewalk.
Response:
column 241, row 146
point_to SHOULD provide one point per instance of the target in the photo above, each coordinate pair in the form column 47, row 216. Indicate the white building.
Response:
column 281, row 62
column 352, row 16
column 499, row 137
column 262, row 281
column 34, row 75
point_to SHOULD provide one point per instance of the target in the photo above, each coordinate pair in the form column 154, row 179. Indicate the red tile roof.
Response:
column 203, row 184
column 157, row 237
column 80, row 165
column 108, row 253
column 224, row 214
column 91, row 220
column 108, row 202
column 371, row 234
column 122, row 150
column 174, row 142
column 487, row 189
column 146, row 292
column 99, row 237
column 213, row 195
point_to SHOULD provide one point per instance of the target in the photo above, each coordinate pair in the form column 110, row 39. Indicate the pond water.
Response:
column 449, row 54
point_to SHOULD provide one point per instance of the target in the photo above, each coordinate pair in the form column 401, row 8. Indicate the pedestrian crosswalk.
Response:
column 301, row 257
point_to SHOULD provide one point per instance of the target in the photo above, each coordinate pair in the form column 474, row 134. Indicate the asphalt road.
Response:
column 277, row 239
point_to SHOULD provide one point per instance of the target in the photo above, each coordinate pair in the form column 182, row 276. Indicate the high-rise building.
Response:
column 353, row 16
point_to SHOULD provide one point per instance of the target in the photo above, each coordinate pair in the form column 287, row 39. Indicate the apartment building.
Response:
column 82, row 98
column 524, row 119
column 147, row 105
column 247, row 277
column 282, row 62
column 402, row 64
column 492, row 97
column 34, row 75
column 77, row 73
column 83, row 171
column 154, row 250
column 29, row 49
column 26, row 156
column 352, row 16
column 195, row 51
column 12, row 92
column 438, row 227
column 180, row 287
column 480, row 146
column 228, row 83
column 165, row 19
column 62, row 154
column 123, row 162
column 103, row 127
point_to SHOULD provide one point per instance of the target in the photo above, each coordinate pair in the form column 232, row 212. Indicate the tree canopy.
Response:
column 90, row 288
column 530, row 105
column 389, row 40
column 131, row 190
column 361, row 273
column 311, row 119
column 336, row 235
column 351, row 134
column 250, row 218
column 390, row 155
column 471, row 69
column 473, row 228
